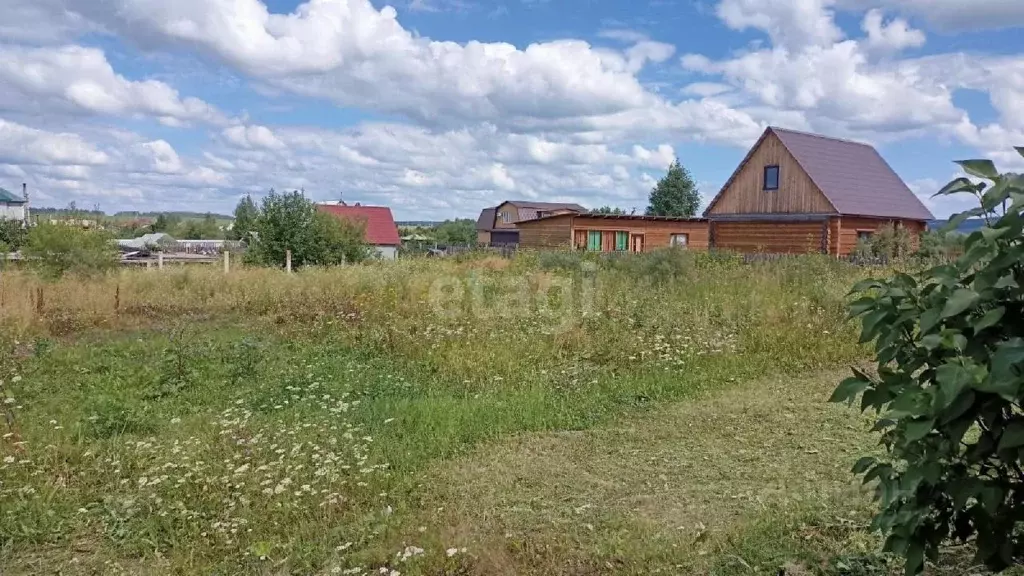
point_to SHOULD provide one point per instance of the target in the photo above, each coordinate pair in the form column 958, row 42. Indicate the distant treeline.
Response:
column 81, row 213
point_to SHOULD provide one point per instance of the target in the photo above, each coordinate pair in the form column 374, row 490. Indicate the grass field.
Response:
column 544, row 415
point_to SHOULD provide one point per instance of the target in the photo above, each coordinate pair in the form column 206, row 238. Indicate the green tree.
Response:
column 165, row 223
column 246, row 214
column 461, row 231
column 675, row 194
column 616, row 211
column 55, row 250
column 949, row 345
column 290, row 221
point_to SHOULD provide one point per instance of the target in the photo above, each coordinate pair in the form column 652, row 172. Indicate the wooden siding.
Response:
column 546, row 233
column 745, row 193
column 657, row 233
column 852, row 225
column 511, row 209
column 770, row 237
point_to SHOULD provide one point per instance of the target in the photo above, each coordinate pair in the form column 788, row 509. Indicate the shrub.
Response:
column 892, row 242
column 949, row 344
column 56, row 249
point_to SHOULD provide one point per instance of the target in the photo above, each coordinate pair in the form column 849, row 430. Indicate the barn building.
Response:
column 796, row 193
column 613, row 233
column 498, row 226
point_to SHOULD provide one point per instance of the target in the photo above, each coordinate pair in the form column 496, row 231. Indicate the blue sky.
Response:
column 438, row 108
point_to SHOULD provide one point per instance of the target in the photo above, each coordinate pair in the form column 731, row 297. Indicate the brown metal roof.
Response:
column 853, row 176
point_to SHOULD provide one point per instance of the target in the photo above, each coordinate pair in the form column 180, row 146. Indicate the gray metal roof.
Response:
column 486, row 220
column 853, row 176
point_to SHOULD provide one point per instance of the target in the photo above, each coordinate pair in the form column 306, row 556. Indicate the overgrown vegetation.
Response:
column 55, row 250
column 949, row 388
column 376, row 416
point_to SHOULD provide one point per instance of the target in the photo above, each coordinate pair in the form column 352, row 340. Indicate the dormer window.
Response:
column 771, row 177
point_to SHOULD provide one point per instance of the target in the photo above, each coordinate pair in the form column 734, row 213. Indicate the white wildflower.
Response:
column 9, row 460
column 451, row 552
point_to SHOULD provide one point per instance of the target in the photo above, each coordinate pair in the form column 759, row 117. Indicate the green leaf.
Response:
column 991, row 318
column 930, row 318
column 849, row 388
column 865, row 285
column 1013, row 436
column 861, row 306
column 953, row 378
column 981, row 168
column 872, row 324
column 955, row 187
column 931, row 341
column 918, row 429
column 960, row 300
column 863, row 465
column 914, row 559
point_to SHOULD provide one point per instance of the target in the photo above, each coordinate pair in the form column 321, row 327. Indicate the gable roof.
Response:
column 9, row 197
column 853, row 176
column 380, row 225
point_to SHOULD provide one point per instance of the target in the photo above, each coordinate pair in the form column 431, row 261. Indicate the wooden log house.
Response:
column 613, row 233
column 797, row 193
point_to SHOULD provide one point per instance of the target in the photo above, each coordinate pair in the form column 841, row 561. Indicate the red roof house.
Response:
column 381, row 230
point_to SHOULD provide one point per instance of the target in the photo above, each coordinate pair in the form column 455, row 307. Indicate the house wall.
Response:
column 12, row 211
column 506, row 208
column 849, row 226
column 483, row 237
column 797, row 194
column 657, row 233
column 387, row 252
column 771, row 237
column 546, row 233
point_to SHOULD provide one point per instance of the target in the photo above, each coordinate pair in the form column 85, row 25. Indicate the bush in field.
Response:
column 12, row 233
column 892, row 242
column 938, row 245
column 290, row 221
column 55, row 250
column 950, row 387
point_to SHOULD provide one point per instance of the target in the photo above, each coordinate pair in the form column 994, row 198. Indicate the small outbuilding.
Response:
column 613, row 233
column 797, row 193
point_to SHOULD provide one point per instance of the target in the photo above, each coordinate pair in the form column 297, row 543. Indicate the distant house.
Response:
column 796, row 192
column 381, row 231
column 613, row 233
column 497, row 226
column 156, row 240
column 12, row 207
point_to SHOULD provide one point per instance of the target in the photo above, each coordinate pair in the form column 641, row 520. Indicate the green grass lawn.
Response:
column 342, row 424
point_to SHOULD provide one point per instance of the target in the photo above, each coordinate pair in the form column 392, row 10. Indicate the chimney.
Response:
column 24, row 194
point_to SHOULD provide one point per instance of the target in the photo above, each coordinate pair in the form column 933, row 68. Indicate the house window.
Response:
column 594, row 240
column 506, row 217
column 622, row 241
column 680, row 240
column 864, row 235
column 771, row 177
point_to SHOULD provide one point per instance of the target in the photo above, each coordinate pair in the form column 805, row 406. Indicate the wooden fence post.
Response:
column 288, row 261
column 160, row 260
column 227, row 262
column 117, row 299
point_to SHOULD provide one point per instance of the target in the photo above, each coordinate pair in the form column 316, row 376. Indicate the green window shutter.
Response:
column 622, row 240
column 594, row 240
